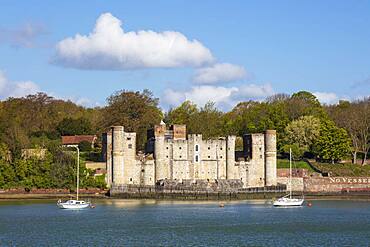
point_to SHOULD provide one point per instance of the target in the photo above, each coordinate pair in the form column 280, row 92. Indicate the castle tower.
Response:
column 107, row 146
column 231, row 169
column 117, row 155
column 161, row 168
column 270, row 157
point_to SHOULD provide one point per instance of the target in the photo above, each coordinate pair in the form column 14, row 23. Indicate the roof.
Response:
column 76, row 139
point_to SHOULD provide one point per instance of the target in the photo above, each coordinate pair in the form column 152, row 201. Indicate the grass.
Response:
column 284, row 163
column 344, row 170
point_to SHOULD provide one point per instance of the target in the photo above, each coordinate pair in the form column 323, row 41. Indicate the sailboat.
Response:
column 75, row 204
column 288, row 200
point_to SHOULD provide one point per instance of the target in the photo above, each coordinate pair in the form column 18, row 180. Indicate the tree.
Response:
column 302, row 133
column 304, row 103
column 183, row 114
column 333, row 143
column 136, row 111
column 70, row 126
column 355, row 118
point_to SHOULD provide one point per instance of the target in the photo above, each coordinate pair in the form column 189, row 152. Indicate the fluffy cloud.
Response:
column 219, row 72
column 224, row 97
column 326, row 98
column 23, row 36
column 109, row 47
column 16, row 88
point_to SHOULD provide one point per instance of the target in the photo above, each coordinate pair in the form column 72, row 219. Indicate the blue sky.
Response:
column 243, row 49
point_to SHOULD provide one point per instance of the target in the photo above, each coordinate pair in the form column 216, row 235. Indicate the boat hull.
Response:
column 289, row 203
column 73, row 205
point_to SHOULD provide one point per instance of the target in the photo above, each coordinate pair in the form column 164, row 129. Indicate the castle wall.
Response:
column 129, row 158
column 178, row 158
column 231, row 168
column 256, row 164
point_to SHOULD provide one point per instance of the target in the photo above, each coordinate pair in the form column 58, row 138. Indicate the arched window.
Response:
column 196, row 158
column 196, row 148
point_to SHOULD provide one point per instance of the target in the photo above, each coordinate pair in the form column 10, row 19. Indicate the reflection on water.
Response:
column 185, row 223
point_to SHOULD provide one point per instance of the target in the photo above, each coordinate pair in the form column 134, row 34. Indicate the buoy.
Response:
column 221, row 205
column 92, row 206
column 309, row 204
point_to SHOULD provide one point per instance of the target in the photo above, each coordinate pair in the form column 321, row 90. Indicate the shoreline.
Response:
column 240, row 197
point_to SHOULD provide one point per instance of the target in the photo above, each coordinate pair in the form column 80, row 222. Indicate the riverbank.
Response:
column 198, row 197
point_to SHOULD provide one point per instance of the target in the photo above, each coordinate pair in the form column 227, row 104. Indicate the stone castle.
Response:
column 171, row 155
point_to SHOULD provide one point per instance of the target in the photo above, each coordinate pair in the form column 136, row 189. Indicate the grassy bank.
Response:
column 284, row 163
column 343, row 170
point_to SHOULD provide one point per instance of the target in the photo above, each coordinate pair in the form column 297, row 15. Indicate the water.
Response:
column 166, row 223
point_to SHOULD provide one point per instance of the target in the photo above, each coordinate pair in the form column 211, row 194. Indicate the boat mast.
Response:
column 290, row 173
column 78, row 170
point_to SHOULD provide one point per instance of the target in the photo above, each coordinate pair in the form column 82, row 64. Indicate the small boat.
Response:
column 73, row 204
column 288, row 200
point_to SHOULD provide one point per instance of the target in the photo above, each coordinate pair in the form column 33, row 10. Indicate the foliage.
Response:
column 301, row 134
column 70, row 126
column 333, row 143
column 355, row 118
column 136, row 111
column 85, row 146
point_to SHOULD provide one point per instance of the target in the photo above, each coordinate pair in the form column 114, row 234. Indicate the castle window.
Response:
column 209, row 148
column 209, row 157
column 196, row 158
column 180, row 156
column 130, row 179
column 129, row 145
column 261, row 156
column 179, row 147
column 220, row 157
column 220, row 148
column 142, row 170
column 166, row 156
column 166, row 147
column 128, row 138
column 260, row 149
column 197, row 148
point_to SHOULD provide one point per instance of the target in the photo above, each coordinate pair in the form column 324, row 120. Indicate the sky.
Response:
column 220, row 51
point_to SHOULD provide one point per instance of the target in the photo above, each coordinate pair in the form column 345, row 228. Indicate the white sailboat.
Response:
column 75, row 204
column 288, row 200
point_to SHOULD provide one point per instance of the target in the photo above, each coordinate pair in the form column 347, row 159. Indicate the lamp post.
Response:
column 78, row 166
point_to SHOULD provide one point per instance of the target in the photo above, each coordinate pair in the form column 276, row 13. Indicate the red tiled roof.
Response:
column 67, row 140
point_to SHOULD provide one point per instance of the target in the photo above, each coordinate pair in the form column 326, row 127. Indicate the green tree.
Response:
column 70, row 126
column 136, row 111
column 333, row 143
column 302, row 133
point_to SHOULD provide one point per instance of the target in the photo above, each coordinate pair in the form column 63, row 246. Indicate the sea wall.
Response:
column 199, row 189
column 337, row 184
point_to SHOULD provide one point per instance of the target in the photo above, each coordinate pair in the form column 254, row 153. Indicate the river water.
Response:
column 179, row 223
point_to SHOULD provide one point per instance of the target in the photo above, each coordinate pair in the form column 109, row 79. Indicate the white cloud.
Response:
column 326, row 98
column 109, row 47
column 16, row 88
column 203, row 94
column 219, row 72
column 253, row 91
column 224, row 97
column 23, row 36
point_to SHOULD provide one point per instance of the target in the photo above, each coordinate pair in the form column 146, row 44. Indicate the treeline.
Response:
column 326, row 132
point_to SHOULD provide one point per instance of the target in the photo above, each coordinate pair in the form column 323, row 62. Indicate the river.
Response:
column 181, row 223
